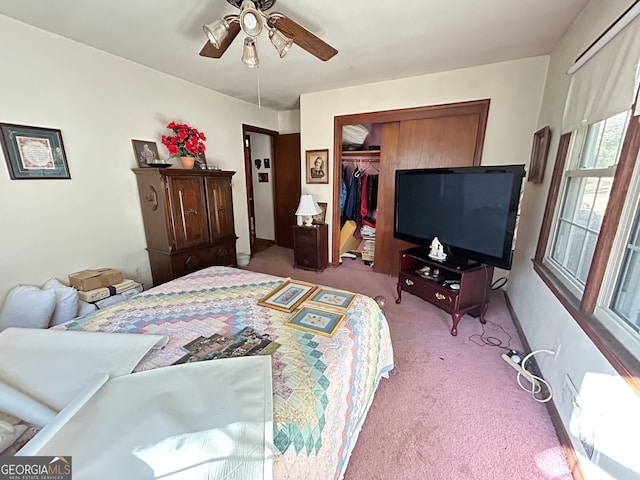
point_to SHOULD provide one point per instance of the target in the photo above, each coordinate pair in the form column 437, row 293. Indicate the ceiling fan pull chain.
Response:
column 258, row 76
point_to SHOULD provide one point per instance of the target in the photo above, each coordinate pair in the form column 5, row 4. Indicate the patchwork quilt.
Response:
column 322, row 387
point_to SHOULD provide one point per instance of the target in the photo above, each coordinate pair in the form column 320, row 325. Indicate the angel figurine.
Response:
column 436, row 251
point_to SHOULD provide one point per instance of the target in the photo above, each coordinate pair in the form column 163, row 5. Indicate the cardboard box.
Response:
column 92, row 279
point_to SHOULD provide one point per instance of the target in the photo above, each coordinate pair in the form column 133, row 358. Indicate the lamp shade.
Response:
column 250, row 53
column 308, row 206
column 280, row 42
column 216, row 32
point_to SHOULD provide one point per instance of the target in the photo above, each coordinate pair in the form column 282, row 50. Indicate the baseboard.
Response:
column 264, row 243
column 561, row 431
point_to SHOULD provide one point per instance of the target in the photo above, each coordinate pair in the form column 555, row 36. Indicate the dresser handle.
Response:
column 192, row 263
column 440, row 296
column 408, row 282
column 191, row 211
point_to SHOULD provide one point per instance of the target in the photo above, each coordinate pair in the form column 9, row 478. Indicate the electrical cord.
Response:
column 491, row 341
column 484, row 339
column 533, row 379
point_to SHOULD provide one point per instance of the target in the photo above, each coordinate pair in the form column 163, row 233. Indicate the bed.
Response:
column 322, row 387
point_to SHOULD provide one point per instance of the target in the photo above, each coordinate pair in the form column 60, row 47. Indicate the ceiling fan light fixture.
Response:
column 216, row 31
column 280, row 41
column 250, row 53
column 250, row 18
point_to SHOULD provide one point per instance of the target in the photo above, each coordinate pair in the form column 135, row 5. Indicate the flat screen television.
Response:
column 472, row 210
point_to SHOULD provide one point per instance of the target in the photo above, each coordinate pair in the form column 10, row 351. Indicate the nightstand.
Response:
column 310, row 248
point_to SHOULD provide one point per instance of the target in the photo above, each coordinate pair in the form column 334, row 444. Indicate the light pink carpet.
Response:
column 451, row 409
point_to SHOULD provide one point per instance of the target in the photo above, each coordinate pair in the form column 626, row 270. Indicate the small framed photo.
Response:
column 539, row 152
column 317, row 166
column 331, row 298
column 321, row 322
column 319, row 218
column 200, row 162
column 288, row 296
column 267, row 163
column 33, row 152
column 146, row 152
column 263, row 177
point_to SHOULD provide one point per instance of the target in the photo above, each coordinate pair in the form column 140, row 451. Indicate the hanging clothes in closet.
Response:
column 361, row 187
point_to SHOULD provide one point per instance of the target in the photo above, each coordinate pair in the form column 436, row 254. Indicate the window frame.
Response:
column 583, row 309
column 573, row 171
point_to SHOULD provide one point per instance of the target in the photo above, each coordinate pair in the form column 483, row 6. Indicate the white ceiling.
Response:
column 377, row 39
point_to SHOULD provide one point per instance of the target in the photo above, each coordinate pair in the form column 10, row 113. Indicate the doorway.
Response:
column 258, row 165
column 272, row 178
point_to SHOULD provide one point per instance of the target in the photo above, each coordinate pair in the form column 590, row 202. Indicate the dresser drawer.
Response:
column 428, row 290
column 197, row 259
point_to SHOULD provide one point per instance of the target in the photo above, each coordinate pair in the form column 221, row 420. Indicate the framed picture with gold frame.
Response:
column 312, row 320
column 288, row 295
column 331, row 299
column 317, row 166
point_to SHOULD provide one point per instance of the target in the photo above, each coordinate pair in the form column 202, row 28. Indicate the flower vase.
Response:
column 187, row 162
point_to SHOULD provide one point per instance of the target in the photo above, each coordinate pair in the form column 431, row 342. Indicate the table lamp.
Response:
column 307, row 208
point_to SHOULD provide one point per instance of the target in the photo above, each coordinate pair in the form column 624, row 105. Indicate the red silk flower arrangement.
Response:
column 185, row 142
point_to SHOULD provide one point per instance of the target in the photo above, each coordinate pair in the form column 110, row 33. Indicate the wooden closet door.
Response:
column 449, row 141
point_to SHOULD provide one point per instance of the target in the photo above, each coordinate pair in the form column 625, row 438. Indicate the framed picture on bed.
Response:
column 333, row 299
column 288, row 296
column 322, row 322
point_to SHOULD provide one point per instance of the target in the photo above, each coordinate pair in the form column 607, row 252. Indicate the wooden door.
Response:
column 220, row 207
column 249, row 183
column 188, row 212
column 286, row 177
column 449, row 141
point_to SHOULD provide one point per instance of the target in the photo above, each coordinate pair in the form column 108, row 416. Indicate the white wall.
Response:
column 262, row 191
column 610, row 408
column 51, row 228
column 289, row 121
column 515, row 89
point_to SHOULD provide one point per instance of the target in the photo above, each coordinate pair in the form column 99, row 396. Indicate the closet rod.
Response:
column 360, row 160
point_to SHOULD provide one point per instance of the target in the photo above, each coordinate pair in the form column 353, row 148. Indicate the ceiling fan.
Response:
column 252, row 19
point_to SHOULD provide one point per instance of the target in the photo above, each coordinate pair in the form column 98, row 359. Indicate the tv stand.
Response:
column 436, row 281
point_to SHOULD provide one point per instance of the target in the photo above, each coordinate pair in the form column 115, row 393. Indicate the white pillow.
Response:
column 66, row 301
column 85, row 308
column 9, row 433
column 27, row 307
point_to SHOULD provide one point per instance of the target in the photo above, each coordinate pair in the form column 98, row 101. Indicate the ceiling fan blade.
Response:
column 210, row 51
column 304, row 38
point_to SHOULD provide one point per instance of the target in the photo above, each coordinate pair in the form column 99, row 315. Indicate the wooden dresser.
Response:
column 188, row 220
column 455, row 287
